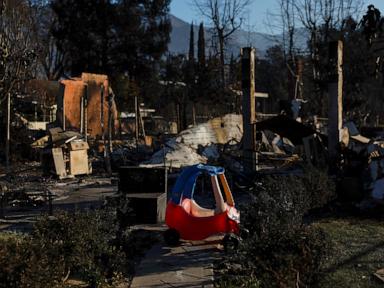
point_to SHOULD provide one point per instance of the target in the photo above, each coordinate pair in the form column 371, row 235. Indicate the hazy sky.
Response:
column 257, row 16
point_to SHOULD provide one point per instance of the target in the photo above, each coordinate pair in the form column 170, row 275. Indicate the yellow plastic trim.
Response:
column 227, row 191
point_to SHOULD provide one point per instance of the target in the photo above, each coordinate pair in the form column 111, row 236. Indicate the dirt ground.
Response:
column 358, row 252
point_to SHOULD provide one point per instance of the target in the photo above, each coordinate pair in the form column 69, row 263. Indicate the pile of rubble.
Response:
column 198, row 144
column 66, row 154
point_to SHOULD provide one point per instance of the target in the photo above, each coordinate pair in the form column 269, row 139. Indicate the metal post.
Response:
column 63, row 111
column 249, row 109
column 102, row 116
column 86, row 113
column 335, row 102
column 109, row 143
column 82, row 113
column 110, row 102
column 8, row 137
column 106, row 152
column 141, row 123
column 136, row 120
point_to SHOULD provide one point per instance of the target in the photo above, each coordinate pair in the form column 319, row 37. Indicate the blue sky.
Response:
column 257, row 15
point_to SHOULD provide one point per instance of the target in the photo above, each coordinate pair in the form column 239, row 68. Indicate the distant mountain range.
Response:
column 180, row 39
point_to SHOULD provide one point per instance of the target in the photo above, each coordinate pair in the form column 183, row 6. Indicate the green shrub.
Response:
column 320, row 188
column 280, row 251
column 83, row 245
column 83, row 241
column 12, row 260
column 280, row 260
column 280, row 202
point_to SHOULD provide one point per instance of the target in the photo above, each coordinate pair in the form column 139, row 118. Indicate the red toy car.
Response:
column 188, row 221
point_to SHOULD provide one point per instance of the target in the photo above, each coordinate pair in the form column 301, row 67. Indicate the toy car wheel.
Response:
column 230, row 242
column 172, row 237
column 244, row 233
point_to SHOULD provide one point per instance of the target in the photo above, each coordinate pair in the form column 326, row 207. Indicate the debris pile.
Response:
column 66, row 154
column 198, row 144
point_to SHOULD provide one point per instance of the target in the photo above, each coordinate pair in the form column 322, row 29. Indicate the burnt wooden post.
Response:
column 249, row 109
column 335, row 102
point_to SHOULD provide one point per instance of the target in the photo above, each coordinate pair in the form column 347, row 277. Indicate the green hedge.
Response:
column 280, row 251
column 80, row 245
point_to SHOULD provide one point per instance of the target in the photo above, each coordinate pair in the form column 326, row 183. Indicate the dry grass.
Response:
column 358, row 251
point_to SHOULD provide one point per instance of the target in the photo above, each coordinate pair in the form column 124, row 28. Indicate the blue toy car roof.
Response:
column 185, row 184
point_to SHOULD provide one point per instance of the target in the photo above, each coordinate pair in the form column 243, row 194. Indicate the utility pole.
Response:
column 335, row 102
column 249, row 109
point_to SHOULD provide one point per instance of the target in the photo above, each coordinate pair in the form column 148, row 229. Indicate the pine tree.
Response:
column 82, row 33
column 190, row 65
column 191, row 54
column 112, row 36
column 202, row 81
column 201, row 47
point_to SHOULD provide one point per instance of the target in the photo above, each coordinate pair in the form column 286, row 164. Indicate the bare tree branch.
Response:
column 226, row 17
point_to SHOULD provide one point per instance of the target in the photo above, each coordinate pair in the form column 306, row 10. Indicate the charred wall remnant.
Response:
column 85, row 93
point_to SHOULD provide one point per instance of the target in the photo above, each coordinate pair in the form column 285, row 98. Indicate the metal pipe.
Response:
column 86, row 113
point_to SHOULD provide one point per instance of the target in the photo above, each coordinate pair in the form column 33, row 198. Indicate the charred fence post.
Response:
column 335, row 102
column 249, row 109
